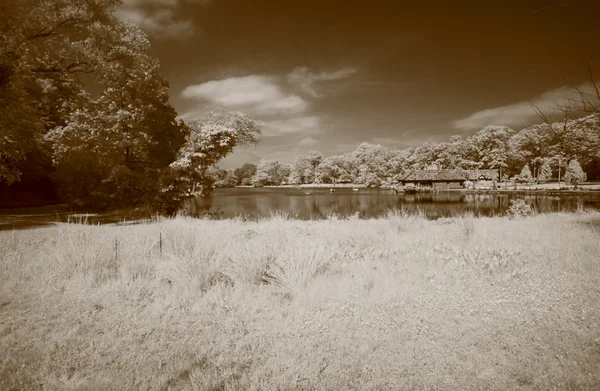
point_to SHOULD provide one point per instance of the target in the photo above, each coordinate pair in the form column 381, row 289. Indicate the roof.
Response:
column 489, row 175
column 435, row 175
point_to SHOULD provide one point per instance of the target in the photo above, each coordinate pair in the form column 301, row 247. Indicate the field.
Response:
column 394, row 303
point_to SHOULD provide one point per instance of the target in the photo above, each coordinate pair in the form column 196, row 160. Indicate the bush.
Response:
column 518, row 209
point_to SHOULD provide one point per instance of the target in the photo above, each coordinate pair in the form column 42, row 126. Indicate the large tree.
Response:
column 46, row 45
column 79, row 89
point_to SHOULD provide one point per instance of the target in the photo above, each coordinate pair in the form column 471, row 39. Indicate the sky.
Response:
column 328, row 75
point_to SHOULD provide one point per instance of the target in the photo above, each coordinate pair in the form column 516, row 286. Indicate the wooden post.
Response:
column 160, row 244
column 116, row 250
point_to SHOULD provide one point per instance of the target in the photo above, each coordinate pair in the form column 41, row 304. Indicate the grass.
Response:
column 278, row 304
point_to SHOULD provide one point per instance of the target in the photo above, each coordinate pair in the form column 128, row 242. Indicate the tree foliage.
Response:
column 574, row 174
column 545, row 171
column 83, row 101
column 541, row 148
column 246, row 171
column 525, row 174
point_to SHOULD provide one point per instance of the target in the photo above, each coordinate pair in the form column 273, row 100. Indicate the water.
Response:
column 308, row 204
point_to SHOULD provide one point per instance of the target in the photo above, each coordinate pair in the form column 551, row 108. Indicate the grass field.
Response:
column 387, row 304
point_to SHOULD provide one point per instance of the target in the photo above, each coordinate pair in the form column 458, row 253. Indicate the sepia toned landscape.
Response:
column 274, row 195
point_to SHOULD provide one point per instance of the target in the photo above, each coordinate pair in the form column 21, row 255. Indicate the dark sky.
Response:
column 327, row 75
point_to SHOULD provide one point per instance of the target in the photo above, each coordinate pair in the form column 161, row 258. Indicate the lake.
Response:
column 306, row 204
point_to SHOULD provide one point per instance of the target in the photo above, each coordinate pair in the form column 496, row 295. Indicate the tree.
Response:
column 314, row 159
column 225, row 178
column 247, row 171
column 108, row 149
column 545, row 171
column 302, row 171
column 213, row 135
column 270, row 173
column 489, row 147
column 335, row 169
column 46, row 46
column 574, row 174
column 525, row 174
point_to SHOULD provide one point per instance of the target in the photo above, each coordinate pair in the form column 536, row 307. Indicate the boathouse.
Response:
column 435, row 179
column 447, row 179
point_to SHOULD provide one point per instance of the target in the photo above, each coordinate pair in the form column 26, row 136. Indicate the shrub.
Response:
column 519, row 208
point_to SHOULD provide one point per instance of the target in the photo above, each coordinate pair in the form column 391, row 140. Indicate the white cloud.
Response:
column 158, row 17
column 306, row 125
column 521, row 113
column 261, row 93
column 288, row 104
column 308, row 142
column 306, row 79
column 235, row 91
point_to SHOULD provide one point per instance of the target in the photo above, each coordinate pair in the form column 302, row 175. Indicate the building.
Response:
column 447, row 179
column 436, row 179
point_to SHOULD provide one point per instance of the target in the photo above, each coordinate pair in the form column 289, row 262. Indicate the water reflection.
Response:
column 317, row 204
column 320, row 203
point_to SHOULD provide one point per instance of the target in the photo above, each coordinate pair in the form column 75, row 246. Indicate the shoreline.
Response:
column 593, row 190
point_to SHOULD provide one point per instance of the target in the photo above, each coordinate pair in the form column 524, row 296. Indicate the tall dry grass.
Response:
column 278, row 304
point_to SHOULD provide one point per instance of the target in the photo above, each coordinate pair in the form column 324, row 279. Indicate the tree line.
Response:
column 568, row 150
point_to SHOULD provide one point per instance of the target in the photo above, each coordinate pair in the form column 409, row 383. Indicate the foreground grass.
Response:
column 393, row 303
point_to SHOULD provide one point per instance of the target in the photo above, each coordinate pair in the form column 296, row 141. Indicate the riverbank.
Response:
column 553, row 188
column 394, row 303
column 319, row 186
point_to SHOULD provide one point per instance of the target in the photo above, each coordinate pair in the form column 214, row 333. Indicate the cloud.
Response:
column 522, row 113
column 235, row 91
column 306, row 125
column 261, row 93
column 308, row 142
column 306, row 79
column 158, row 17
column 289, row 104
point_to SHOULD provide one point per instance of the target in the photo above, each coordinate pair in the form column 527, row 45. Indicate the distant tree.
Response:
column 335, row 169
column 489, row 147
column 223, row 178
column 230, row 180
column 574, row 174
column 525, row 174
column 246, row 171
column 314, row 159
column 269, row 173
column 368, row 177
column 527, row 145
column 545, row 171
column 302, row 171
